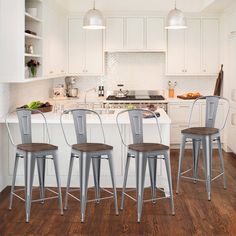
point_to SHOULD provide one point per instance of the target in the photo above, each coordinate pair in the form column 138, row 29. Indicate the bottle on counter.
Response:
column 102, row 91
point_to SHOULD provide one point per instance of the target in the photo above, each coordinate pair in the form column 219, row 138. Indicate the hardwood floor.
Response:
column 195, row 215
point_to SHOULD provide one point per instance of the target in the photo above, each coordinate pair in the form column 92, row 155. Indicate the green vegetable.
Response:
column 34, row 105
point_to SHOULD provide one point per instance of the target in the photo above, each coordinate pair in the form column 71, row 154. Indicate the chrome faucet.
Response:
column 86, row 92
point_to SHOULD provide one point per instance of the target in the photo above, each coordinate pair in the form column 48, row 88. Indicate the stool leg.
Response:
column 207, row 147
column 68, row 181
column 196, row 151
column 56, row 166
column 96, row 175
column 41, row 163
column 141, row 162
column 222, row 162
column 85, row 161
column 181, row 157
column 168, row 171
column 111, row 165
column 29, row 177
column 13, row 181
column 152, row 163
column 125, row 182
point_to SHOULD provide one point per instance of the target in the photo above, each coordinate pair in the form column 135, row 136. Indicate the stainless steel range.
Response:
column 136, row 98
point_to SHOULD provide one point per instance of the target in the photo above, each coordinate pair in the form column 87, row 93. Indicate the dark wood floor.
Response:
column 194, row 214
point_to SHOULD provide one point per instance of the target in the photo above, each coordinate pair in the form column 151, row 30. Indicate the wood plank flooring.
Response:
column 194, row 214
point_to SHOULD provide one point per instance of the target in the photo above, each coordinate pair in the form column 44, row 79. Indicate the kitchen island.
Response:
column 94, row 135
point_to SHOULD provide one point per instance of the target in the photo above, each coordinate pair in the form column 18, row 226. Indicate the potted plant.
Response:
column 33, row 65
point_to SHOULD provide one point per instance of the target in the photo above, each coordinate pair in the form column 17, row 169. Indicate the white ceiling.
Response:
column 135, row 5
column 147, row 5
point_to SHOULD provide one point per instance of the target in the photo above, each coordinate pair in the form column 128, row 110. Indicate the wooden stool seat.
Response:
column 91, row 147
column 36, row 147
column 200, row 131
column 147, row 147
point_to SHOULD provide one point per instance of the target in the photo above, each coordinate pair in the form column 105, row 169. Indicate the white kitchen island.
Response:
column 94, row 135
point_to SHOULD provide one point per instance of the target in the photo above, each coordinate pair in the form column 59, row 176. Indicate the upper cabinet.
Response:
column 55, row 42
column 194, row 51
column 85, row 49
column 210, row 46
column 135, row 34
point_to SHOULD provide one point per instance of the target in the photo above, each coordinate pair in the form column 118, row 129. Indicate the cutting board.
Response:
column 187, row 98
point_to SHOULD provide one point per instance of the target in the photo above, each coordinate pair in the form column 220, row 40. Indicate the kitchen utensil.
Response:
column 121, row 93
column 73, row 92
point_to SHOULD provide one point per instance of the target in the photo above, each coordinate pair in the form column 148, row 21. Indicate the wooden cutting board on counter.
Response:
column 187, row 98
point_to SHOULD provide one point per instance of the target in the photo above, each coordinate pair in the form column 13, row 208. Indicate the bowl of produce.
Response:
column 37, row 105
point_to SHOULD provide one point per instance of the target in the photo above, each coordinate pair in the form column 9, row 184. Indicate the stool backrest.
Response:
column 80, row 123
column 212, row 104
column 136, row 123
column 24, row 117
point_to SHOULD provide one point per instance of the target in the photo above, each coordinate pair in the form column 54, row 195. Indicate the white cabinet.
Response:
column 232, row 71
column 85, row 49
column 155, row 33
column 114, row 36
column 232, row 130
column 55, row 42
column 135, row 34
column 194, row 51
column 210, row 46
column 176, row 52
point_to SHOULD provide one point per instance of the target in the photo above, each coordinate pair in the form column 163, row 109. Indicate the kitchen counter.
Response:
column 54, row 118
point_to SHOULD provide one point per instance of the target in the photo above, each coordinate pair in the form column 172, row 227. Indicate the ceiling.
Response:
column 195, row 6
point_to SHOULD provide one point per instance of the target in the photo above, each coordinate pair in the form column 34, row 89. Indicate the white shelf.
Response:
column 32, row 55
column 32, row 18
column 31, row 36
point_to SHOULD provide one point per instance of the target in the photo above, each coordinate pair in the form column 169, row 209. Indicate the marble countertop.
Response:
column 54, row 118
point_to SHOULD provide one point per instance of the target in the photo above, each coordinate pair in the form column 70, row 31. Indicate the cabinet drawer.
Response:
column 179, row 113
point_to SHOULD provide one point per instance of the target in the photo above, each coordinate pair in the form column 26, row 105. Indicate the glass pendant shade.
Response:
column 176, row 20
column 94, row 19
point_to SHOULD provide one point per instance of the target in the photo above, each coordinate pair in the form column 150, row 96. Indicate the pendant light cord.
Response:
column 93, row 4
column 175, row 4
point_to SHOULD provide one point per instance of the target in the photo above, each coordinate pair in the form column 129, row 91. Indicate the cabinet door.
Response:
column 232, row 71
column 94, row 52
column 193, row 47
column 155, row 34
column 210, row 46
column 232, row 130
column 134, row 33
column 114, row 34
column 76, row 46
column 176, row 52
column 12, row 40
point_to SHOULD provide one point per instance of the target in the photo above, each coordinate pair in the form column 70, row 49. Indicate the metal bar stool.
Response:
column 205, row 136
column 31, row 152
column 86, row 152
column 143, row 152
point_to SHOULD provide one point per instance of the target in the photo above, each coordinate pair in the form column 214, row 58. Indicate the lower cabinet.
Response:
column 231, row 141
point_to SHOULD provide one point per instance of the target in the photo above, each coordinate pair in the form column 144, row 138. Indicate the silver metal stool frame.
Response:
column 85, row 158
column 29, row 160
column 141, row 159
column 206, row 142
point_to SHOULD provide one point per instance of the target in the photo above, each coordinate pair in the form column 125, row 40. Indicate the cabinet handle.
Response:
column 184, row 106
column 186, row 70
column 182, row 70
column 51, row 72
column 204, row 70
column 62, row 71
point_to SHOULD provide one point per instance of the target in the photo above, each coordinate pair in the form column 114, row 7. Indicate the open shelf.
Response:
column 32, row 55
column 31, row 36
column 32, row 18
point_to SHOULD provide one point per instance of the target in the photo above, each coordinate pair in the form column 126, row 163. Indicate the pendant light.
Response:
column 94, row 19
column 176, row 19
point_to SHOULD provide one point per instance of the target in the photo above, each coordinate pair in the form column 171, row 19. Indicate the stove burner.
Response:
column 132, row 97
